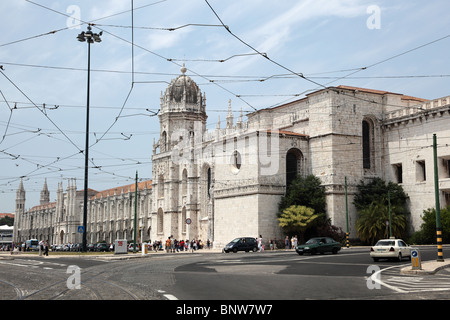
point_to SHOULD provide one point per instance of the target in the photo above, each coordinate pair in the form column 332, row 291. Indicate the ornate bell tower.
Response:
column 182, row 119
column 182, row 109
column 20, row 210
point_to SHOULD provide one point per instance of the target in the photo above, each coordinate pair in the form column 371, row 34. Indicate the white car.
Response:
column 390, row 249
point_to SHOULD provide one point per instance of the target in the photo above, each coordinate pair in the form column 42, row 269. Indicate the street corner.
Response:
column 427, row 267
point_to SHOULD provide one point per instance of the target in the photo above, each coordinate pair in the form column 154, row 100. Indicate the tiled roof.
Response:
column 289, row 133
column 43, row 206
column 123, row 189
column 374, row 91
column 381, row 92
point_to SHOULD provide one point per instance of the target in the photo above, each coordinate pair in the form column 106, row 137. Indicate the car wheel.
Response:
column 255, row 249
column 375, row 259
column 313, row 251
column 300, row 253
column 234, row 250
column 399, row 256
column 334, row 251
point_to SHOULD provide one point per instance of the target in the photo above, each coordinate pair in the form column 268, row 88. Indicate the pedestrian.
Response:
column 259, row 241
column 286, row 243
column 168, row 245
column 295, row 242
column 46, row 248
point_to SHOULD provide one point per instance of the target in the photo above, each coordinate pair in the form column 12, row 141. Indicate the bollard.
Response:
column 415, row 259
column 144, row 249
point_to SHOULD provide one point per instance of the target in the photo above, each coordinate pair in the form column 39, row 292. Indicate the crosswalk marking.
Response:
column 28, row 263
column 412, row 284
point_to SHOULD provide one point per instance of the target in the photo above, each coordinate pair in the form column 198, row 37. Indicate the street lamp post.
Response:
column 89, row 37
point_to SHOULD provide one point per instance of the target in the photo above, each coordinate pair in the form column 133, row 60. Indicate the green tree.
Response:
column 427, row 232
column 377, row 191
column 371, row 223
column 372, row 204
column 7, row 220
column 296, row 219
column 304, row 191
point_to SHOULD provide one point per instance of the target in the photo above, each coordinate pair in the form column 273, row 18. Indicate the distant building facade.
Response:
column 227, row 182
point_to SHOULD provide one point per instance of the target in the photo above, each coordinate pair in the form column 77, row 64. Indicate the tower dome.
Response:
column 183, row 86
column 182, row 95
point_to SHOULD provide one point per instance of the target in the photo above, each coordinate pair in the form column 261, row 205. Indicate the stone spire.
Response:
column 20, row 197
column 229, row 116
column 45, row 194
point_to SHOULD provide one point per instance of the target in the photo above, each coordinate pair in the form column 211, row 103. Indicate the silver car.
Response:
column 390, row 249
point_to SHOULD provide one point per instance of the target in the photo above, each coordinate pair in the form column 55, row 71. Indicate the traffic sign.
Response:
column 188, row 221
column 415, row 259
column 80, row 229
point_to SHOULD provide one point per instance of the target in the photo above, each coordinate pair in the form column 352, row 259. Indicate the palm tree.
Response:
column 371, row 224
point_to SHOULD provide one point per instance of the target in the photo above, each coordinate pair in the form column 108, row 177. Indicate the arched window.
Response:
column 367, row 144
column 163, row 142
column 161, row 186
column 208, row 181
column 183, row 219
column 184, row 182
column 294, row 160
column 236, row 161
column 160, row 221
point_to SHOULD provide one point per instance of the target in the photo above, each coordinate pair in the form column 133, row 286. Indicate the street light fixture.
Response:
column 89, row 37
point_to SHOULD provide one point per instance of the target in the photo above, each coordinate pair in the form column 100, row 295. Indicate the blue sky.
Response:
column 398, row 46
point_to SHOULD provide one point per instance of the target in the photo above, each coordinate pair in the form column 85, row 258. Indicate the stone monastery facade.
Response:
column 227, row 182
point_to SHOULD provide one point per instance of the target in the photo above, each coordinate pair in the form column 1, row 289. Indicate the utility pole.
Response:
column 390, row 218
column 346, row 214
column 135, row 212
column 438, row 207
column 89, row 37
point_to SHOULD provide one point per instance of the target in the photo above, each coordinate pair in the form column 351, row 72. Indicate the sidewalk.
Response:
column 428, row 267
column 106, row 256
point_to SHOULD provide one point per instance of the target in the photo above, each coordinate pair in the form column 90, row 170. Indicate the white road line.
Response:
column 167, row 296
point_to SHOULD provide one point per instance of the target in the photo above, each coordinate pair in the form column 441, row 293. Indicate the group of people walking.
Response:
column 174, row 245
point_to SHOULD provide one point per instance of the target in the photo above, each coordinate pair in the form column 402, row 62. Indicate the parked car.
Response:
column 90, row 247
column 76, row 247
column 242, row 244
column 101, row 247
column 390, row 249
column 319, row 245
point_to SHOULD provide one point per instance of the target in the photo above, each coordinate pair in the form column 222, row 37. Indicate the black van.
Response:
column 242, row 244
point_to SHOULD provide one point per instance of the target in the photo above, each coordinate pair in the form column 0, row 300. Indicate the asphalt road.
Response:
column 288, row 276
column 267, row 276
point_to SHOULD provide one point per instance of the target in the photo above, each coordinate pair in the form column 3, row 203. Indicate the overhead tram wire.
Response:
column 44, row 113
column 145, row 49
column 55, row 31
column 261, row 53
column 309, row 79
column 59, row 129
